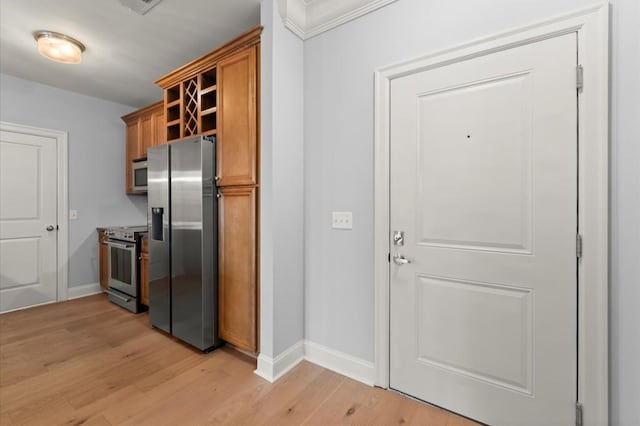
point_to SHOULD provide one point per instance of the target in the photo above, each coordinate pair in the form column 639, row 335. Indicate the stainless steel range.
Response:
column 124, row 276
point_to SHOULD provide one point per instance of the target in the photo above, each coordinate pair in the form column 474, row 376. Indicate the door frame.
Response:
column 61, row 138
column 592, row 27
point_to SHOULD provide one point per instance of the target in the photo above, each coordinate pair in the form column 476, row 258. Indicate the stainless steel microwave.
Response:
column 139, row 175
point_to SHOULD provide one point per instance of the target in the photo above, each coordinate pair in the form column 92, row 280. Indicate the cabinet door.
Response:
column 133, row 151
column 147, row 125
column 104, row 266
column 104, row 261
column 237, row 286
column 144, row 278
column 160, row 131
column 237, row 119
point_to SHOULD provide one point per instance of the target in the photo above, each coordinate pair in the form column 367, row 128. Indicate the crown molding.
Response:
column 308, row 18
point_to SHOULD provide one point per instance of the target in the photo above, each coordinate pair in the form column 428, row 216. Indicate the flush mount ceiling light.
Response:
column 59, row 47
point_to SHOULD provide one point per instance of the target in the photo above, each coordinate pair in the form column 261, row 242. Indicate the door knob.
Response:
column 399, row 259
column 50, row 228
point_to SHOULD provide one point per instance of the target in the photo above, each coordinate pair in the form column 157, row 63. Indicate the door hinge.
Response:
column 579, row 77
column 578, row 414
column 389, row 257
column 579, row 246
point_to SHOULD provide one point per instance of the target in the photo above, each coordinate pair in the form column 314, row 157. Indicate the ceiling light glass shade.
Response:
column 59, row 47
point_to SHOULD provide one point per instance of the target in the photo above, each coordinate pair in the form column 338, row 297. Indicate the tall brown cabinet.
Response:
column 218, row 94
column 145, row 128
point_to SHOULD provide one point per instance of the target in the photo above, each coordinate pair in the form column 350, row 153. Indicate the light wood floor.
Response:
column 89, row 362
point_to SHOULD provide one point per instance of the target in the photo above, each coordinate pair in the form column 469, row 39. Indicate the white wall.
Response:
column 266, row 179
column 624, row 310
column 96, row 162
column 338, row 160
column 282, row 240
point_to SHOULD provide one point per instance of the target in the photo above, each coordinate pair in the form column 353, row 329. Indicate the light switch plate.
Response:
column 73, row 214
column 342, row 220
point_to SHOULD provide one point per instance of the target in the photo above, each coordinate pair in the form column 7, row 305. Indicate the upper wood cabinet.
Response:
column 217, row 94
column 237, row 132
column 191, row 107
column 132, row 151
column 160, row 130
column 145, row 128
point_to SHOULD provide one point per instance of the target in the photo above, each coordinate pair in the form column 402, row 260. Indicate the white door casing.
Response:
column 33, row 261
column 484, row 186
column 591, row 26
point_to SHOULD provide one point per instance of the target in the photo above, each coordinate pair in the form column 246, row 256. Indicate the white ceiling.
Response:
column 125, row 52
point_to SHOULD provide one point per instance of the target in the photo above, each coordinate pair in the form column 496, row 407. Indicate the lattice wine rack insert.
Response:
column 190, row 107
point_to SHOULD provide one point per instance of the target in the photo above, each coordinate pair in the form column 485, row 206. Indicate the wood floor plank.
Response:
column 69, row 375
column 349, row 404
column 96, row 421
column 52, row 409
column 397, row 409
column 5, row 419
column 277, row 396
column 305, row 403
column 211, row 369
column 89, row 362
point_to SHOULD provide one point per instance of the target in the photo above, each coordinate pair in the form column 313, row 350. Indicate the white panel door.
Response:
column 28, row 205
column 484, row 186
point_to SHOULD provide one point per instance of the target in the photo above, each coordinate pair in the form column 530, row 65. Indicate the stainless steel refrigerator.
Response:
column 182, row 220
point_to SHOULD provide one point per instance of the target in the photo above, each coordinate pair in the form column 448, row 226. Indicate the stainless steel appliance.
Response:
column 124, row 243
column 139, row 174
column 182, row 219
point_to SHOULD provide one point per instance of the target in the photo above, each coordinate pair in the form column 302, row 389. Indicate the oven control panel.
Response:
column 125, row 233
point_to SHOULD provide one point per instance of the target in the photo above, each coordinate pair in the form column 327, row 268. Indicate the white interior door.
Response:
column 28, row 205
column 484, row 186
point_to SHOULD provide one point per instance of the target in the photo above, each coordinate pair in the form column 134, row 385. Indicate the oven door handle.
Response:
column 116, row 295
column 122, row 246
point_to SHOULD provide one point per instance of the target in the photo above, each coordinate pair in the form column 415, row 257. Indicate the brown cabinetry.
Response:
column 144, row 272
column 222, row 101
column 191, row 106
column 103, row 259
column 145, row 128
column 238, row 267
column 132, row 152
column 237, row 133
column 218, row 94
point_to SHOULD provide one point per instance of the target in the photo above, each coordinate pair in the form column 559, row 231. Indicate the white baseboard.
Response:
column 347, row 365
column 272, row 369
column 83, row 290
column 72, row 293
column 27, row 307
